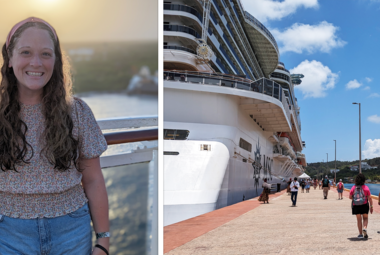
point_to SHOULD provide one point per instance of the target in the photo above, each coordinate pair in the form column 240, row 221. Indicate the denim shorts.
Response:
column 67, row 235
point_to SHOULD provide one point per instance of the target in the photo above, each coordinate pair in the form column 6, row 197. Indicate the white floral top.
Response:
column 38, row 190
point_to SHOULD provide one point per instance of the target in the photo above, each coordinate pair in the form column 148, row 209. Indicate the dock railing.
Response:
column 115, row 163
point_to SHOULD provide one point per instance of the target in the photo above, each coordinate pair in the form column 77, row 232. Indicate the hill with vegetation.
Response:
column 320, row 169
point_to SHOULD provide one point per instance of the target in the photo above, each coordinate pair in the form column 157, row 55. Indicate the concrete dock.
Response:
column 315, row 226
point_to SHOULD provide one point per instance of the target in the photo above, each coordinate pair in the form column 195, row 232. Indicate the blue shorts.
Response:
column 340, row 190
column 68, row 234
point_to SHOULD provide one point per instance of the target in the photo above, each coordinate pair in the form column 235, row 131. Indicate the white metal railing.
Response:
column 146, row 155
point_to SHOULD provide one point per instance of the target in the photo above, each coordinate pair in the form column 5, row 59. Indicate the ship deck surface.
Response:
column 315, row 226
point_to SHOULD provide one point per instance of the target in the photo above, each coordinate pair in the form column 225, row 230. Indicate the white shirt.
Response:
column 294, row 184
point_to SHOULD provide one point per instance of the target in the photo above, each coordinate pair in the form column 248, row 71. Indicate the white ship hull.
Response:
column 199, row 181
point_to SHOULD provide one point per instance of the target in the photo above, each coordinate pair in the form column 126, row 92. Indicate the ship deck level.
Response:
column 315, row 226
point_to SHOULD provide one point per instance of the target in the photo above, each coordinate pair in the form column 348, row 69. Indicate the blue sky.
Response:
column 336, row 45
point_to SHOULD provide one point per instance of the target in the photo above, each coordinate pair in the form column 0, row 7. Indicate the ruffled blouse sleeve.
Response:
column 91, row 139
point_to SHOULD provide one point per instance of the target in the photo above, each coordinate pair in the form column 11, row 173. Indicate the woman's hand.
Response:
column 371, row 209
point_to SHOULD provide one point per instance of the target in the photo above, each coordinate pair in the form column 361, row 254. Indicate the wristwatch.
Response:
column 102, row 235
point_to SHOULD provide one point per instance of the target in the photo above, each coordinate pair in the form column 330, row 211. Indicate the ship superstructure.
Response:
column 231, row 119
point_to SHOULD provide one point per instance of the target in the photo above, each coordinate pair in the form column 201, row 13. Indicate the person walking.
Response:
column 325, row 187
column 288, row 188
column 264, row 197
column 294, row 186
column 340, row 188
column 51, row 183
column 315, row 183
column 307, row 187
column 320, row 184
column 303, row 184
column 361, row 204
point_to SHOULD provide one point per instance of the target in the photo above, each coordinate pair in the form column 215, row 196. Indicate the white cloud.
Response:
column 368, row 79
column 367, row 88
column 353, row 84
column 301, row 38
column 318, row 78
column 374, row 95
column 374, row 118
column 371, row 148
column 265, row 10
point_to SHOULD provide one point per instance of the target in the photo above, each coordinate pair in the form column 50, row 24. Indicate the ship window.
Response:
column 245, row 145
column 205, row 147
column 173, row 153
column 244, row 160
column 174, row 134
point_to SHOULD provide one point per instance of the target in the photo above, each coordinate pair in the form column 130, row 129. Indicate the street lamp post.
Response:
column 327, row 162
column 335, row 162
column 360, row 142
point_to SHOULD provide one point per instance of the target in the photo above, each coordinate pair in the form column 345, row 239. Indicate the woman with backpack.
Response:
column 361, row 204
column 340, row 188
column 303, row 184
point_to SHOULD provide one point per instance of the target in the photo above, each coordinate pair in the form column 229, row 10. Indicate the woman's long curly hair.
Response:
column 360, row 179
column 60, row 147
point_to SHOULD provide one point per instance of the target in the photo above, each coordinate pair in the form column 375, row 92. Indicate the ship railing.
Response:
column 182, row 28
column 184, row 8
column 173, row 47
column 263, row 85
column 118, row 164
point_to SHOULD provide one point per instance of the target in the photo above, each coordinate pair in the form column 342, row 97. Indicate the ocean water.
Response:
column 127, row 186
column 374, row 188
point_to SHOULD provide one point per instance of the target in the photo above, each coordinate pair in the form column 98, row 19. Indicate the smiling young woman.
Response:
column 51, row 184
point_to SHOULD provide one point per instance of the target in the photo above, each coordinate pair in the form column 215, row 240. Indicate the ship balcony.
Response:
column 281, row 76
column 263, row 42
column 301, row 159
column 263, row 100
column 285, row 143
column 131, row 177
column 175, row 8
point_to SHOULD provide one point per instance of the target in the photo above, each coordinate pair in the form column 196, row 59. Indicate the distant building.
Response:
column 365, row 166
column 81, row 54
column 333, row 170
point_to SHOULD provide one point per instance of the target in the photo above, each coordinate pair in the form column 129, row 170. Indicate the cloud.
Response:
column 374, row 118
column 301, row 38
column 265, row 10
column 318, row 78
column 353, row 84
column 374, row 95
column 367, row 88
column 371, row 148
column 368, row 79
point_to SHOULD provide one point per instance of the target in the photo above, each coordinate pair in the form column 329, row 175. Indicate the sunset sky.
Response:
column 86, row 20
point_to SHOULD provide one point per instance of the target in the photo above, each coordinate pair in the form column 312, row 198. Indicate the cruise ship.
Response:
column 231, row 117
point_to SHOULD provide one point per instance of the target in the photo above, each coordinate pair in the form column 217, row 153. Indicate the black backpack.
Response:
column 326, row 182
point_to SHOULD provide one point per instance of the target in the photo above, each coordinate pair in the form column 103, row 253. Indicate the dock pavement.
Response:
column 315, row 226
